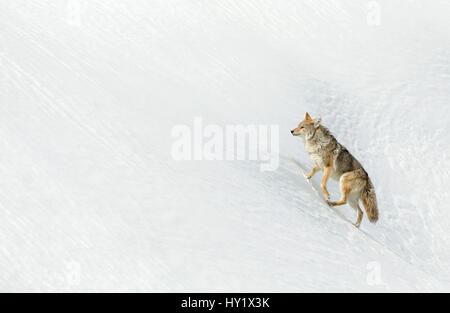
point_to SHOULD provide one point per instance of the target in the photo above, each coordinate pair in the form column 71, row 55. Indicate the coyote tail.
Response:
column 369, row 199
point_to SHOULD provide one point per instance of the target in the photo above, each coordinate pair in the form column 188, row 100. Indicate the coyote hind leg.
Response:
column 346, row 188
column 351, row 186
column 354, row 204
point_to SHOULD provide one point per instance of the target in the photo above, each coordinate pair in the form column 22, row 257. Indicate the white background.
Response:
column 92, row 200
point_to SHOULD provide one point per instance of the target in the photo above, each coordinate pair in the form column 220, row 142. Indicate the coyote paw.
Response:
column 329, row 202
column 307, row 176
column 357, row 225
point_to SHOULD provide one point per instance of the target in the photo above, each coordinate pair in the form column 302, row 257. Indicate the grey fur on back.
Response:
column 322, row 145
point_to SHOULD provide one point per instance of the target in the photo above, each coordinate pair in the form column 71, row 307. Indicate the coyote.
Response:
column 337, row 162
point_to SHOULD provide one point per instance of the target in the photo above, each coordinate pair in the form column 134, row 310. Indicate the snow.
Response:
column 91, row 198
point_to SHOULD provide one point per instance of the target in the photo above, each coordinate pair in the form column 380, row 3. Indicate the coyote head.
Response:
column 307, row 127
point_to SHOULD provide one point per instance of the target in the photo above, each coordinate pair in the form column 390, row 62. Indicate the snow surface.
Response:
column 92, row 200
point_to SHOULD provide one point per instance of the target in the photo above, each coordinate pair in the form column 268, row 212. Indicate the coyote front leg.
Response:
column 313, row 171
column 323, row 185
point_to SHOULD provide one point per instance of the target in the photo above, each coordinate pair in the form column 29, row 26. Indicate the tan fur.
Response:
column 369, row 200
column 337, row 163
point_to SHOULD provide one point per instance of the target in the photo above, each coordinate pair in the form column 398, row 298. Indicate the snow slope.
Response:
column 92, row 200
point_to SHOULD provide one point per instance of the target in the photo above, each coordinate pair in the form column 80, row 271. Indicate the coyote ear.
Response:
column 317, row 121
column 307, row 117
